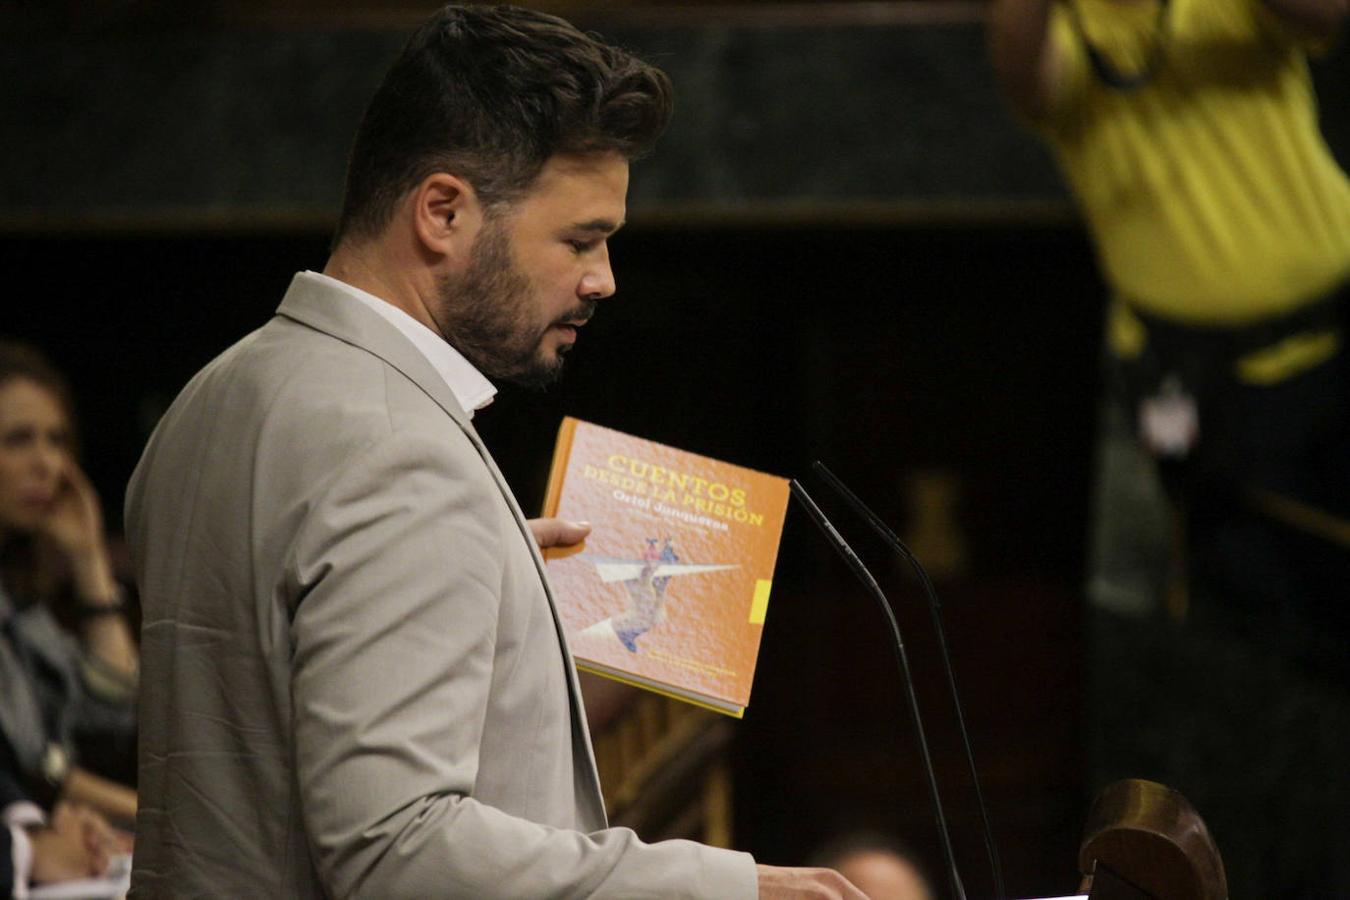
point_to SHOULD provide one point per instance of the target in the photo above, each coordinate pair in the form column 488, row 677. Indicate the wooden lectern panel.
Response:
column 1144, row 841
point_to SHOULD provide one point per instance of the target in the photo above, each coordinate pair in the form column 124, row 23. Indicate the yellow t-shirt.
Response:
column 1211, row 193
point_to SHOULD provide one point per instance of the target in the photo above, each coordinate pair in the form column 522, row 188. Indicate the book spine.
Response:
column 557, row 472
column 736, row 712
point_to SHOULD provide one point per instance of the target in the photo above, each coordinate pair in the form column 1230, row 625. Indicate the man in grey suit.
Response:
column 354, row 678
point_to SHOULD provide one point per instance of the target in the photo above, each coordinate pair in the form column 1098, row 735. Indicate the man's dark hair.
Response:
column 490, row 94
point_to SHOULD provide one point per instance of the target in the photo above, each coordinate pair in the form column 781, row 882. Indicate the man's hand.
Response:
column 77, row 843
column 558, row 532
column 779, row 883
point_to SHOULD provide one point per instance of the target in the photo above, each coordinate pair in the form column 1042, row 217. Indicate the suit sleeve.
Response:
column 399, row 566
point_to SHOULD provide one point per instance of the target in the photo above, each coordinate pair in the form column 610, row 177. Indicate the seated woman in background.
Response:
column 61, row 695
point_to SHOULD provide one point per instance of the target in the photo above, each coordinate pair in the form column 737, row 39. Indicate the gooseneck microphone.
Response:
column 841, row 546
column 890, row 537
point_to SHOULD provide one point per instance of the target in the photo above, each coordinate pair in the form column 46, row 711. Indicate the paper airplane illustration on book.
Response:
column 645, row 580
column 612, row 569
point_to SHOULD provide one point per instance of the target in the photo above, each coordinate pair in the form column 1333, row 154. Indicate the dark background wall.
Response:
column 845, row 250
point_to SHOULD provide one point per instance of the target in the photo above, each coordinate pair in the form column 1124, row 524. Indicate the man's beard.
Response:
column 485, row 314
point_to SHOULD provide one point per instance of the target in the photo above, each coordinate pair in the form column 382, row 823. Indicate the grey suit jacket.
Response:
column 354, row 680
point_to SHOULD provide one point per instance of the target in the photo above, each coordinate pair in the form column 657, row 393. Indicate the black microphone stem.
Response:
column 860, row 570
column 890, row 537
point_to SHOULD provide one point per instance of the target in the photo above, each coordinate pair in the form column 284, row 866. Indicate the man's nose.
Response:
column 598, row 283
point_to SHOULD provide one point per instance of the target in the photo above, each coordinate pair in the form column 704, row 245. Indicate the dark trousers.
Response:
column 1266, row 486
column 1246, row 707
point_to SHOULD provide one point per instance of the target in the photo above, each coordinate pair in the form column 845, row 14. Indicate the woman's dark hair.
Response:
column 490, row 94
column 22, row 361
column 27, row 570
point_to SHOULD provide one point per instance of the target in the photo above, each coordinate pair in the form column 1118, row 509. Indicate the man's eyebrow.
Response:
column 601, row 226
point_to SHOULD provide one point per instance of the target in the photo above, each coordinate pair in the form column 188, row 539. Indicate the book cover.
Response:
column 670, row 590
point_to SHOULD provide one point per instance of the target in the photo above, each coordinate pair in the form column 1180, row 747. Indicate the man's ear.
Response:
column 446, row 215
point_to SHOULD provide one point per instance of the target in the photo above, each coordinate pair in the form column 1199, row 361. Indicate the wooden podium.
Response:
column 664, row 768
column 1144, row 841
column 663, row 764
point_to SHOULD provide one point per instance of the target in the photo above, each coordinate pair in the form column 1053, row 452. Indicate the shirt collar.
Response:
column 470, row 387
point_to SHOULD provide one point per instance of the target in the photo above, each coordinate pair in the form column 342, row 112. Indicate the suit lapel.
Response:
column 311, row 303
column 326, row 309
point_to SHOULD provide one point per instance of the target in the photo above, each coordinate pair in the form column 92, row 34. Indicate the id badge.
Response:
column 1169, row 420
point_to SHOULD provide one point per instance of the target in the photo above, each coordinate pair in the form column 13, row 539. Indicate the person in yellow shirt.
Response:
column 1187, row 132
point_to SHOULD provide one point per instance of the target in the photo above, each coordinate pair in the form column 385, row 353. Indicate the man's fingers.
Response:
column 779, row 883
column 554, row 532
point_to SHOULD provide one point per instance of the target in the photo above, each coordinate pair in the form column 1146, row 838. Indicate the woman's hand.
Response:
column 76, row 843
column 75, row 526
column 75, row 522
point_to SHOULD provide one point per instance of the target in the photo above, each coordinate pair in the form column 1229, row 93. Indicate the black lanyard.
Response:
column 1106, row 71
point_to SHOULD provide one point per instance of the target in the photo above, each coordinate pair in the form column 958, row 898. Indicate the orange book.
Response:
column 670, row 590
